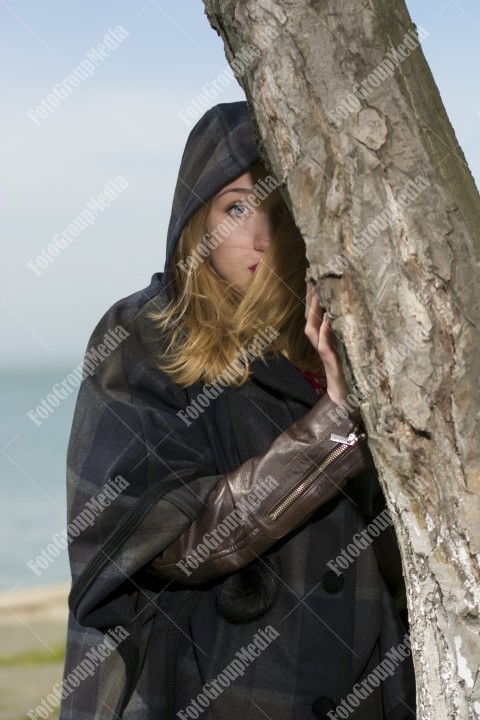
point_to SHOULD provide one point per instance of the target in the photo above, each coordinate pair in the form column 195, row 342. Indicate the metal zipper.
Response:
column 345, row 442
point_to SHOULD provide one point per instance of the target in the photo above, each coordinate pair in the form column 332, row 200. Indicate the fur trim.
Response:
column 249, row 593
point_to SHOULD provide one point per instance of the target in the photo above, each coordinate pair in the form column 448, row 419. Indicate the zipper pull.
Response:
column 351, row 439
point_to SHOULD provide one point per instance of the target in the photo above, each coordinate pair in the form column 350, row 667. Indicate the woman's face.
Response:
column 238, row 253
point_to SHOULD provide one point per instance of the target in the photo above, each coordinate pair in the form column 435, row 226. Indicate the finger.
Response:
column 308, row 297
column 326, row 331
column 328, row 347
column 315, row 311
column 329, row 333
column 313, row 325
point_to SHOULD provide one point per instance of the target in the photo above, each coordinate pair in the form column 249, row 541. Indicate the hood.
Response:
column 220, row 147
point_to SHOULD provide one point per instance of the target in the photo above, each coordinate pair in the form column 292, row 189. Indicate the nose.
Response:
column 263, row 231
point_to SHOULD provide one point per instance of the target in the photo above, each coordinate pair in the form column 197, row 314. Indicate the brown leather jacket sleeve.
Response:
column 268, row 496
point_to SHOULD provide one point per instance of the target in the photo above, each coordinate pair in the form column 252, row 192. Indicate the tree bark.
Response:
column 349, row 118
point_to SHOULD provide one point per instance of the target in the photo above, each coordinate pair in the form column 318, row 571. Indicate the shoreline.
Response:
column 33, row 624
column 37, row 604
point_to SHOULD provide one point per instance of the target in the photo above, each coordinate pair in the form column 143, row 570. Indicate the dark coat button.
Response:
column 321, row 706
column 332, row 583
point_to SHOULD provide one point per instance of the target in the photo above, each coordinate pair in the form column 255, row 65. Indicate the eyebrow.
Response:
column 237, row 189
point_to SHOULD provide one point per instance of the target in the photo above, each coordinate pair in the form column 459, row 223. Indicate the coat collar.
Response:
column 280, row 374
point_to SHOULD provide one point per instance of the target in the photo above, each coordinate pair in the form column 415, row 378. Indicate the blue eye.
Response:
column 238, row 210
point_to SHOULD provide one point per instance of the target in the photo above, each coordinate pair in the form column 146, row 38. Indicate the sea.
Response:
column 33, row 475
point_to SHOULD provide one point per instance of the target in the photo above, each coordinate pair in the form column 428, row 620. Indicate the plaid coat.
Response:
column 142, row 649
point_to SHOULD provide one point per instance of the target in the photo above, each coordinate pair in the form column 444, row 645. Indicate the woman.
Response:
column 224, row 478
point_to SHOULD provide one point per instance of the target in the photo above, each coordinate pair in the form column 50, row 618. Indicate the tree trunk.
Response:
column 350, row 119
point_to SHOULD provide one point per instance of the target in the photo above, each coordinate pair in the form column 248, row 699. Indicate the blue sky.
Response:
column 123, row 121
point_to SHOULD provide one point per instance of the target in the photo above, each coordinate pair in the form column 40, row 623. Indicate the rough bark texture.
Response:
column 414, row 285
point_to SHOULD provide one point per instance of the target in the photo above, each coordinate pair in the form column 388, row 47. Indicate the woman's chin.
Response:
column 243, row 283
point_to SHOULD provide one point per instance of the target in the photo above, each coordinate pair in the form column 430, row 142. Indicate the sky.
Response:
column 120, row 129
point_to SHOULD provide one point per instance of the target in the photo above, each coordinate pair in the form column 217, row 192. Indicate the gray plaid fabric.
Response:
column 331, row 633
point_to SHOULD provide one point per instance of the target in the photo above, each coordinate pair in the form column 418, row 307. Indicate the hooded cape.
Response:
column 133, row 483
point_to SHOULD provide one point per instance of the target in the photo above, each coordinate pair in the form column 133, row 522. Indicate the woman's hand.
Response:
column 319, row 331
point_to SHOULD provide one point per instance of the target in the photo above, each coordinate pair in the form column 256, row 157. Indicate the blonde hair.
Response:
column 209, row 322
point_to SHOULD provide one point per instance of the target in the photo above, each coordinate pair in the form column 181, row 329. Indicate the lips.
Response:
column 252, row 268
